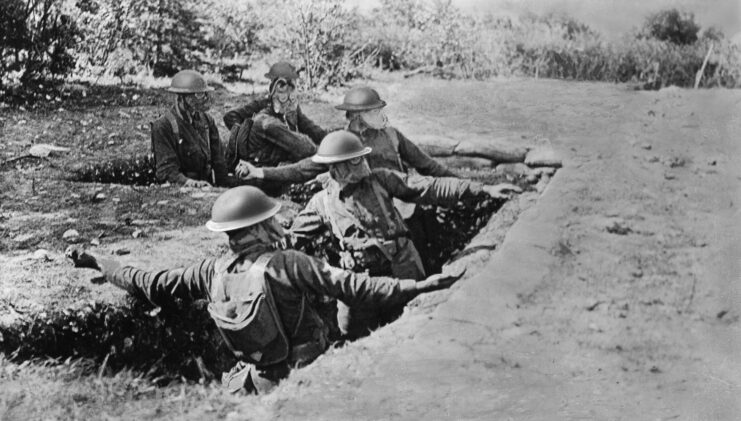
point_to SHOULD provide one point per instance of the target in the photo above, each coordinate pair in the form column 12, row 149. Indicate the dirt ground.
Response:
column 634, row 314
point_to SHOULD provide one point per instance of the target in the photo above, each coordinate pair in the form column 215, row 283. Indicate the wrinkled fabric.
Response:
column 385, row 154
column 247, row 111
column 193, row 154
column 275, row 139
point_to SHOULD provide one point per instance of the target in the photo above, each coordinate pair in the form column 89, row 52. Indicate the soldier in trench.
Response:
column 357, row 208
column 261, row 298
column 391, row 150
column 185, row 141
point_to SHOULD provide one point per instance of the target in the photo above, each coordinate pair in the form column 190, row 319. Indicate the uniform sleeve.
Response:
column 163, row 287
column 442, row 191
column 419, row 160
column 309, row 221
column 314, row 276
column 238, row 115
column 297, row 145
column 305, row 125
column 298, row 172
column 218, row 161
column 164, row 148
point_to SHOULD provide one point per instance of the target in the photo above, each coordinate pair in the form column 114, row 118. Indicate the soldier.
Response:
column 279, row 131
column 185, row 141
column 391, row 149
column 357, row 207
column 261, row 299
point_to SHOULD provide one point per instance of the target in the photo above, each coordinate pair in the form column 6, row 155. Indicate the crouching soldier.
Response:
column 261, row 299
column 278, row 132
column 357, row 207
column 185, row 141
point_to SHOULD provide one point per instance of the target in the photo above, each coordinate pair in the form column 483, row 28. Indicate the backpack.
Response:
column 245, row 313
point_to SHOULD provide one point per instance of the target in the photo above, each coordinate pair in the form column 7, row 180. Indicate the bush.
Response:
column 320, row 34
column 126, row 37
column 36, row 42
column 672, row 26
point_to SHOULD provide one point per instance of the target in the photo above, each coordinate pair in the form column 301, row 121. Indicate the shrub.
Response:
column 36, row 41
column 672, row 26
column 138, row 36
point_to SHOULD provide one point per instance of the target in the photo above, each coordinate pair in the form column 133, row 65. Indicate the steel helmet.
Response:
column 241, row 207
column 362, row 98
column 188, row 82
column 340, row 146
column 282, row 69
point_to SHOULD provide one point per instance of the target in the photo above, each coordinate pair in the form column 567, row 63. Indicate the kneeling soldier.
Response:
column 357, row 206
column 261, row 299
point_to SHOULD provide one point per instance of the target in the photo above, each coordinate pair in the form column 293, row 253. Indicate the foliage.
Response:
column 138, row 36
column 36, row 41
column 672, row 26
column 317, row 33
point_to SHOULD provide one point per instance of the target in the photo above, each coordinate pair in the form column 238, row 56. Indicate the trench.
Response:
column 180, row 341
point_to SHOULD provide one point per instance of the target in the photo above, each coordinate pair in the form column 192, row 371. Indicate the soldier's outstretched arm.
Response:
column 419, row 160
column 311, row 275
column 160, row 287
column 298, row 172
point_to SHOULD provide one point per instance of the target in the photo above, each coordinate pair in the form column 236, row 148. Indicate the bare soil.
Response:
column 637, row 317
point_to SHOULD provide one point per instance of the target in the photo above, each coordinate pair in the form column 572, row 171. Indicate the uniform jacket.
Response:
column 366, row 211
column 239, row 115
column 290, row 274
column 193, row 153
column 274, row 139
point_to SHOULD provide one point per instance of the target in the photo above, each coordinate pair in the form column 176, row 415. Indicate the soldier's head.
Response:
column 192, row 91
column 364, row 109
column 247, row 216
column 282, row 89
column 345, row 154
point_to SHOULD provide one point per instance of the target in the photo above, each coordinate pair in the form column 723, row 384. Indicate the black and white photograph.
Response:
column 370, row 210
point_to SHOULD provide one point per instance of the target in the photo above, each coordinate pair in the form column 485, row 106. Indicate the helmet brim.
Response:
column 188, row 90
column 349, row 107
column 242, row 223
column 323, row 159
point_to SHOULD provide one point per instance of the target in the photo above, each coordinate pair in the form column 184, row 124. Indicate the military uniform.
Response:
column 294, row 281
column 391, row 149
column 372, row 233
column 188, row 146
column 274, row 139
column 245, row 112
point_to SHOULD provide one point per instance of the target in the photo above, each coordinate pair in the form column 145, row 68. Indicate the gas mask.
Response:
column 268, row 232
column 199, row 102
column 283, row 96
column 350, row 172
column 375, row 119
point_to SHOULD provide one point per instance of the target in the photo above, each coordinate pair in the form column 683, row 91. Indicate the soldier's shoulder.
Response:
column 289, row 257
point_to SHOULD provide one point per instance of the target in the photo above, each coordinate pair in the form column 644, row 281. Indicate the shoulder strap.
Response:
column 394, row 137
column 260, row 265
column 381, row 201
column 173, row 123
column 330, row 217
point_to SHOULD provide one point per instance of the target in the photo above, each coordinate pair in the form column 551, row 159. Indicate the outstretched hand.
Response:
column 81, row 259
column 247, row 171
column 197, row 183
column 441, row 280
column 502, row 190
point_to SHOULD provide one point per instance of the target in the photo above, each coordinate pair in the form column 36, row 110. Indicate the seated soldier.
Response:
column 279, row 131
column 357, row 207
column 185, row 141
column 260, row 298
